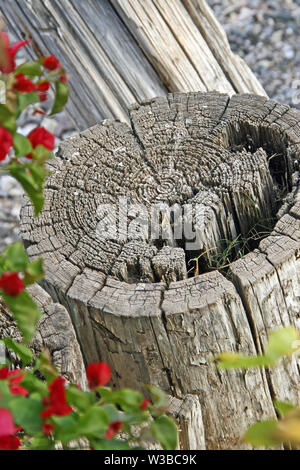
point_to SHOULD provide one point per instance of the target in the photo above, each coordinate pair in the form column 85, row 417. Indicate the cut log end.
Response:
column 196, row 172
column 137, row 225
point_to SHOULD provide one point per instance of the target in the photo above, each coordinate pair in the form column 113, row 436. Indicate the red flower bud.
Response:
column 63, row 78
column 113, row 429
column 11, row 284
column 57, row 403
column 23, row 84
column 40, row 136
column 51, row 62
column 6, row 142
column 9, row 443
column 98, row 374
column 7, row 426
column 47, row 428
column 144, row 404
column 14, row 378
column 41, row 89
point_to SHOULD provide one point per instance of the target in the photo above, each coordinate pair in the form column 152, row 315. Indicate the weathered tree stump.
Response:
column 133, row 302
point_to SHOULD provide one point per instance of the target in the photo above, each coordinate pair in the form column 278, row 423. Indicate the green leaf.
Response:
column 104, row 444
column 113, row 413
column 5, row 396
column 283, row 407
column 262, row 434
column 25, row 313
column 41, row 154
column 94, row 422
column 239, row 361
column 26, row 413
column 128, row 399
column 16, row 258
column 30, row 69
column 31, row 177
column 134, row 418
column 25, row 99
column 61, row 97
column 7, row 118
column 79, row 399
column 41, row 443
column 46, row 367
column 165, row 431
column 20, row 349
column 22, row 145
column 159, row 397
column 66, row 427
column 34, row 272
column 283, row 342
column 34, row 385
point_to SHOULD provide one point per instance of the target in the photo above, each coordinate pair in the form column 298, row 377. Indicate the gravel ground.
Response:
column 265, row 33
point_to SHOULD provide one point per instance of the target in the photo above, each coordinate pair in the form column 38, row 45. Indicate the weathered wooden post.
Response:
column 132, row 302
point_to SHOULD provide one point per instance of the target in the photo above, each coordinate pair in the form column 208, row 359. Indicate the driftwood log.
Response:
column 118, row 52
column 132, row 302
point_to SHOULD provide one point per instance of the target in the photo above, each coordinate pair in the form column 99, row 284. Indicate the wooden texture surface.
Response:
column 121, row 52
column 131, row 301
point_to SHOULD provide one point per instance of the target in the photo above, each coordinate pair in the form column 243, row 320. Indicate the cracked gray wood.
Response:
column 131, row 298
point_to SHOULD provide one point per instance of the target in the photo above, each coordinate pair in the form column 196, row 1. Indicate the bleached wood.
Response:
column 187, row 46
column 107, row 69
column 121, row 52
column 187, row 413
column 234, row 67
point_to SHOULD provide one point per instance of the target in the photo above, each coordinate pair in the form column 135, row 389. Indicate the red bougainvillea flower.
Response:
column 8, row 440
column 6, row 142
column 56, row 403
column 40, row 136
column 41, row 89
column 63, row 78
column 7, row 426
column 11, row 284
column 51, row 62
column 14, row 378
column 98, row 374
column 23, row 84
column 113, row 429
column 7, row 64
column 47, row 428
column 144, row 404
column 9, row 443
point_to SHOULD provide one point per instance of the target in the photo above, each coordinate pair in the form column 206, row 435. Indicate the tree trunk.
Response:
column 133, row 299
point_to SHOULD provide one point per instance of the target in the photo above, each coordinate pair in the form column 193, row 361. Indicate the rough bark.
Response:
column 132, row 302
